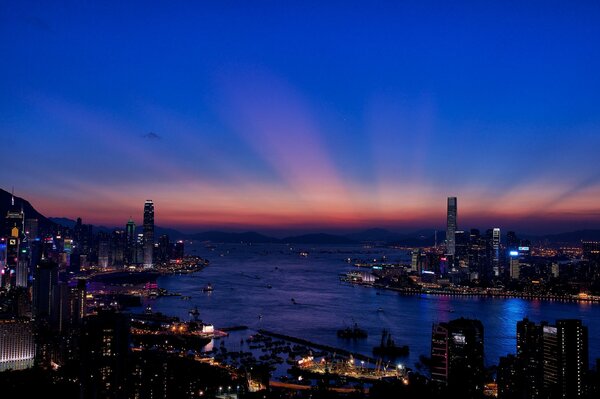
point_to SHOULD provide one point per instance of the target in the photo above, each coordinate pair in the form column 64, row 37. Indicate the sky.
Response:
column 298, row 116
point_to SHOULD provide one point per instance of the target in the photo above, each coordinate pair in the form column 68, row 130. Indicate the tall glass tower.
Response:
column 148, row 234
column 451, row 229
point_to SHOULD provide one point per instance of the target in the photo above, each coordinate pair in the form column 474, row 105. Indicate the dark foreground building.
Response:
column 457, row 356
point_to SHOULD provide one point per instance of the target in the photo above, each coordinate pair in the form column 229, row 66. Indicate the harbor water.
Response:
column 296, row 290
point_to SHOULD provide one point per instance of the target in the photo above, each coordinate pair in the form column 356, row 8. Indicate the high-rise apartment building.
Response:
column 17, row 346
column 565, row 358
column 457, row 355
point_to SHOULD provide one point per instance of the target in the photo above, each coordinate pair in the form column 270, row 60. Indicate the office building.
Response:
column 514, row 264
column 130, row 240
column 32, row 228
column 496, row 265
column 117, row 248
column 104, row 260
column 164, row 249
column 45, row 290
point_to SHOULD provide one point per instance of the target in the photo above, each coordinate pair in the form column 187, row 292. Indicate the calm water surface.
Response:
column 241, row 274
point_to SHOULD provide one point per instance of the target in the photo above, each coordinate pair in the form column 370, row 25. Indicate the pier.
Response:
column 311, row 344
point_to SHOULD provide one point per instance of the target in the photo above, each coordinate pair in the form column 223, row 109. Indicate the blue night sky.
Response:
column 299, row 115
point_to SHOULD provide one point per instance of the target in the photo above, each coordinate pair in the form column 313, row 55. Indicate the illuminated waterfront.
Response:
column 242, row 274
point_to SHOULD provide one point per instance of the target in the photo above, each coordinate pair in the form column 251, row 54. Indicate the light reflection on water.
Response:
column 323, row 304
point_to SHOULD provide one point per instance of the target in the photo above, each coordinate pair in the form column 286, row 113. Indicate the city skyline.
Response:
column 308, row 199
column 270, row 117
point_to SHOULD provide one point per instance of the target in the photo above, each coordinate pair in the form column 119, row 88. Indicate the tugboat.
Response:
column 388, row 347
column 352, row 333
column 208, row 288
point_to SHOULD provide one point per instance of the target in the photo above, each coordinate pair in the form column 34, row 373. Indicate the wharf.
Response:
column 234, row 328
column 299, row 387
column 327, row 348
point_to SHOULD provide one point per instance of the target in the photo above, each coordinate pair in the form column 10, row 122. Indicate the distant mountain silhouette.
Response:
column 372, row 235
column 65, row 222
column 44, row 224
column 219, row 236
column 319, row 238
column 421, row 238
column 573, row 237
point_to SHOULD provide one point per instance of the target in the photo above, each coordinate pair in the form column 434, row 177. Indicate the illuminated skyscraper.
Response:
column 22, row 273
column 130, row 242
column 103, row 250
column 451, row 227
column 496, row 251
column 148, row 234
column 15, row 219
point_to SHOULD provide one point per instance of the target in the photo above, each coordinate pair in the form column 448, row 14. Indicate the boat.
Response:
column 388, row 347
column 380, row 309
column 293, row 301
column 194, row 313
column 208, row 288
column 269, row 286
column 352, row 333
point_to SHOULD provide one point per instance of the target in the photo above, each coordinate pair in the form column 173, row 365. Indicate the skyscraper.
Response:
column 148, row 234
column 496, row 251
column 130, row 242
column 15, row 219
column 45, row 290
column 103, row 250
column 451, row 227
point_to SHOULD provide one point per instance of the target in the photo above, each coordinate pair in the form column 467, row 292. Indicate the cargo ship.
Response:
column 352, row 332
column 388, row 348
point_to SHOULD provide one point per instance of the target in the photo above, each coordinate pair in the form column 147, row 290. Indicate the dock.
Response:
column 327, row 348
